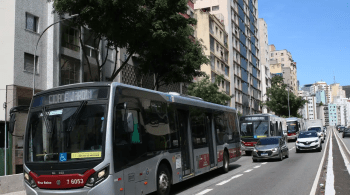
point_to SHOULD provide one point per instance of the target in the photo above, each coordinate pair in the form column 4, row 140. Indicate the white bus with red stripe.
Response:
column 254, row 127
column 112, row 138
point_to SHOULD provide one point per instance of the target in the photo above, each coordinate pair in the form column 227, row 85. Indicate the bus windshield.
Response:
column 66, row 133
column 292, row 126
column 254, row 129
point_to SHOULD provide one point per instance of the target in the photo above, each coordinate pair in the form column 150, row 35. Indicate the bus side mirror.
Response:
column 12, row 123
column 129, row 122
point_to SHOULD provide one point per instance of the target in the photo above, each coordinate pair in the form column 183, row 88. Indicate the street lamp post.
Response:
column 288, row 103
column 72, row 16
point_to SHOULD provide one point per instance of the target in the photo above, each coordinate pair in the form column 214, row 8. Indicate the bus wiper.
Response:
column 74, row 118
column 46, row 120
column 258, row 125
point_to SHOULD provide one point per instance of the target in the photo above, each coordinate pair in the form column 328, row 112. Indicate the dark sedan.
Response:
column 270, row 148
column 346, row 132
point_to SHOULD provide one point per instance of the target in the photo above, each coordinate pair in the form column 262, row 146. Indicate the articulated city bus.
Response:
column 112, row 138
column 294, row 126
column 254, row 127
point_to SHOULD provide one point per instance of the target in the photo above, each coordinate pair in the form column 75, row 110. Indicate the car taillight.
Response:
column 98, row 177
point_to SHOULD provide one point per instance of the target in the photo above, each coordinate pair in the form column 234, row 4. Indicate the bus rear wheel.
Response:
column 163, row 180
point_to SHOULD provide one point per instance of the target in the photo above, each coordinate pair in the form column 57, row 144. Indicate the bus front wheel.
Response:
column 225, row 163
column 163, row 180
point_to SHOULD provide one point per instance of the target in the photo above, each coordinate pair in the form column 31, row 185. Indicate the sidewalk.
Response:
column 16, row 193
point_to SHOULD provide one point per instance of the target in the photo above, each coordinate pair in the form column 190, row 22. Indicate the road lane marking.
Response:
column 344, row 144
column 226, row 181
column 264, row 163
column 314, row 186
column 330, row 174
column 257, row 166
column 292, row 148
column 347, row 164
column 204, row 191
column 249, row 170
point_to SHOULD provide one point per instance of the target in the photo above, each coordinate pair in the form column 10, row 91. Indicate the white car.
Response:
column 308, row 140
column 319, row 132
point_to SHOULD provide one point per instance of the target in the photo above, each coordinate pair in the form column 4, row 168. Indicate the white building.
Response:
column 264, row 60
column 309, row 111
column 343, row 105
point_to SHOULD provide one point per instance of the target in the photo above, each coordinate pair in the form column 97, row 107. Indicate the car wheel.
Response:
column 287, row 156
column 248, row 153
column 281, row 157
column 163, row 180
column 343, row 136
column 255, row 160
column 226, row 163
column 320, row 148
column 297, row 151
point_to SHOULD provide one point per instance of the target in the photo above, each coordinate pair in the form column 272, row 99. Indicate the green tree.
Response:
column 209, row 91
column 152, row 29
column 277, row 99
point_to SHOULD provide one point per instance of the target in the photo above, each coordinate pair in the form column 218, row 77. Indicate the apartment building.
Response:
column 285, row 63
column 240, row 20
column 321, row 97
column 337, row 91
column 346, row 88
column 333, row 117
column 321, row 85
column 211, row 30
column 264, row 60
column 309, row 110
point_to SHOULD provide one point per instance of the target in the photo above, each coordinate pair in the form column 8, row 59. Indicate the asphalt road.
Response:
column 294, row 175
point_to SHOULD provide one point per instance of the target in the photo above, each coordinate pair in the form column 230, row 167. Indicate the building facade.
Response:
column 240, row 20
column 286, row 65
column 321, row 97
column 309, row 111
column 211, row 30
column 337, row 91
column 333, row 117
column 264, row 60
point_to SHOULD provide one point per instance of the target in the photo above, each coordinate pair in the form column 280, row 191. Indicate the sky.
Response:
column 316, row 32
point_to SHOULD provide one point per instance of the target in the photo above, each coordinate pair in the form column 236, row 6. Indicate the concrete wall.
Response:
column 11, row 183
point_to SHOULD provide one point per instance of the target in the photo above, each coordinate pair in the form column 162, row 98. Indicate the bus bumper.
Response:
column 105, row 187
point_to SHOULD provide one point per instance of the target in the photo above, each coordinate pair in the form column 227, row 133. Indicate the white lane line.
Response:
column 346, row 161
column 314, row 186
column 330, row 174
column 226, row 181
column 249, row 170
column 257, row 167
column 264, row 163
column 204, row 191
column 344, row 144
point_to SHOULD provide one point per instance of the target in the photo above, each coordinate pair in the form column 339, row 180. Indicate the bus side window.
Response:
column 198, row 128
column 220, row 128
column 233, row 133
column 272, row 129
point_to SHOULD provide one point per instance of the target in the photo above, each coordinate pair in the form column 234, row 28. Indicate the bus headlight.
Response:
column 29, row 180
column 98, row 177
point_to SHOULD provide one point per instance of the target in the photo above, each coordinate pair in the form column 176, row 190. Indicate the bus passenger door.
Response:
column 182, row 117
column 211, row 140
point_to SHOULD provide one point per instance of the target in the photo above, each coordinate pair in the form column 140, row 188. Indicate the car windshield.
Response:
column 292, row 127
column 268, row 141
column 255, row 129
column 307, row 134
column 66, row 133
column 317, row 129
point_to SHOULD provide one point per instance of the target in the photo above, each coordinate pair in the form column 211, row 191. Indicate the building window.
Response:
column 282, row 59
column 215, row 8
column 70, row 38
column 70, row 69
column 28, row 63
column 32, row 22
column 272, row 55
column 281, row 54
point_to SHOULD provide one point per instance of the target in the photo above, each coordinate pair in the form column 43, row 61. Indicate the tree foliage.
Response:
column 152, row 29
column 209, row 91
column 277, row 100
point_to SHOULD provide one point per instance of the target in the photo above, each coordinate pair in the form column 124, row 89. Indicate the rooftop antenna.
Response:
column 334, row 77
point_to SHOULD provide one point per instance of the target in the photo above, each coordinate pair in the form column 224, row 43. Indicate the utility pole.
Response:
column 5, row 159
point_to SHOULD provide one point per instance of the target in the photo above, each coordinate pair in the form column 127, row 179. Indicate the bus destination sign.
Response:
column 67, row 96
column 255, row 118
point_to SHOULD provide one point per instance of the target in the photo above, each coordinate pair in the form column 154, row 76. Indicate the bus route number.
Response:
column 75, row 181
